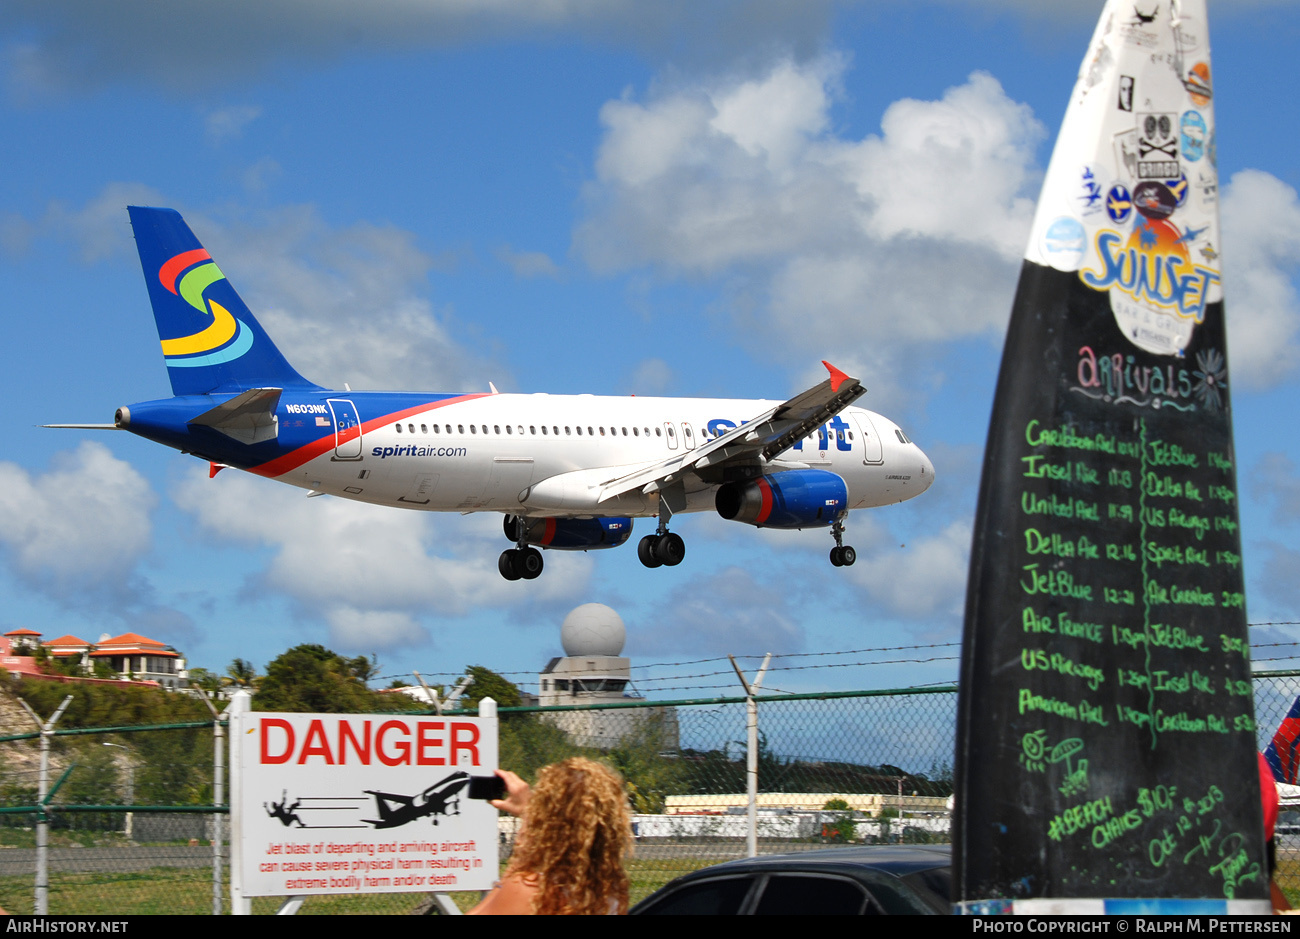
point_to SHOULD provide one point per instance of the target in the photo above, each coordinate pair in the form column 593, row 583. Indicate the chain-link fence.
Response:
column 131, row 819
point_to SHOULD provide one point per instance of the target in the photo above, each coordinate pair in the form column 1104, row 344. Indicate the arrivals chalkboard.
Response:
column 1106, row 738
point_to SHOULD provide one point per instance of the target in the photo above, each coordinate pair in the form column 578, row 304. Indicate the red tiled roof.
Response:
column 132, row 644
column 22, row 632
column 68, row 640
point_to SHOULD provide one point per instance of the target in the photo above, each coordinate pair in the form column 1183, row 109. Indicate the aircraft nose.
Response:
column 927, row 470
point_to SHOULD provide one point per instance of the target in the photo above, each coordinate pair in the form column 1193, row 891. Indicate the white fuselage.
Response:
column 548, row 455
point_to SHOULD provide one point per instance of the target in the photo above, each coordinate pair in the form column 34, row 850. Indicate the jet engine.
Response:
column 808, row 498
column 570, row 534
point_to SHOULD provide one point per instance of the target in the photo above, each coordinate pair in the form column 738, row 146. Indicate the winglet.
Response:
column 215, row 468
column 837, row 377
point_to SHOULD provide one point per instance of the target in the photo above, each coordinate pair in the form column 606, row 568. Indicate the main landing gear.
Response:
column 842, row 555
column 523, row 562
column 662, row 549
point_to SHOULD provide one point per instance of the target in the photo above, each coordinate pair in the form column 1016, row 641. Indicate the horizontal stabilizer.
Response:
column 249, row 417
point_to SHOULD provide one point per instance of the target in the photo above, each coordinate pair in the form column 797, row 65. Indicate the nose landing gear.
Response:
column 842, row 555
column 522, row 562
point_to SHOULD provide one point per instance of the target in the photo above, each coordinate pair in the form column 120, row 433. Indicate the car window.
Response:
column 813, row 895
column 720, row 897
column 896, row 896
column 933, row 885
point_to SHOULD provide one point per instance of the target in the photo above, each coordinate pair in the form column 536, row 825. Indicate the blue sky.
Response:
column 583, row 196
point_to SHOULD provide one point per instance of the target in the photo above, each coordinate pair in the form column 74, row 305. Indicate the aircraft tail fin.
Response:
column 210, row 339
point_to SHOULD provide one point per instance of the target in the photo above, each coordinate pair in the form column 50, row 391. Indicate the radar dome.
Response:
column 593, row 629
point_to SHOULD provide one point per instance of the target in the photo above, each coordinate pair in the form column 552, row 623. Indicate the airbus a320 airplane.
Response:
column 567, row 472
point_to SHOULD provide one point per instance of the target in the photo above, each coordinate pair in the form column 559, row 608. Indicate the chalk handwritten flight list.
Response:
column 1107, row 712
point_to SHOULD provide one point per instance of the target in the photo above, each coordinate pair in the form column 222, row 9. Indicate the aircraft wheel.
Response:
column 530, row 563
column 837, row 556
column 507, row 564
column 645, row 550
column 670, row 549
column 848, row 555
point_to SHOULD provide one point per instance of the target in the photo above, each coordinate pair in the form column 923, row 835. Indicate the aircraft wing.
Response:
column 767, row 435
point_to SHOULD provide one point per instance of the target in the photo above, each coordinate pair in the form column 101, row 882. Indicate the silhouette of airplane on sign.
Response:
column 436, row 800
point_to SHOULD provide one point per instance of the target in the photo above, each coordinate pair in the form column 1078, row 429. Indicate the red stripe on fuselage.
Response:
column 296, row 458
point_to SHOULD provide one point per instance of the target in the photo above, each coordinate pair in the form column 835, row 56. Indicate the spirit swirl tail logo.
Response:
column 188, row 275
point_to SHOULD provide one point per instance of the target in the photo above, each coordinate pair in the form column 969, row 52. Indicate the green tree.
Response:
column 527, row 743
column 842, row 826
column 315, row 679
column 486, row 683
column 241, row 674
column 208, row 681
column 645, row 759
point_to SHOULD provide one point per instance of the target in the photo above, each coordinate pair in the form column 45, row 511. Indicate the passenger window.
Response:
column 436, row 430
column 602, row 431
column 658, row 432
column 579, row 431
column 411, row 428
column 567, row 431
column 485, row 428
column 636, row 431
column 460, row 428
column 543, row 430
column 424, row 428
column 473, row 429
column 590, row 432
column 624, row 431
column 532, row 429
column 496, row 429
column 509, row 429
column 399, row 428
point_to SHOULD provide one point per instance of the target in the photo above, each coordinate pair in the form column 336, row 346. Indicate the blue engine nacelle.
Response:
column 794, row 499
column 572, row 534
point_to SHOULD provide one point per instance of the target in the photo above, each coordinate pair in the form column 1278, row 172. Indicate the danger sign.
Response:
column 356, row 803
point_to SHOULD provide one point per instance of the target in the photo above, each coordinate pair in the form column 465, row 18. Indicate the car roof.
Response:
column 895, row 859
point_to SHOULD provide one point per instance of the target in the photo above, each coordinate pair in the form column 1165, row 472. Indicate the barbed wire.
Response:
column 658, row 684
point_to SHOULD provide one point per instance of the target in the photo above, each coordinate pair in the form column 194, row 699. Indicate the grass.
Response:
column 180, row 891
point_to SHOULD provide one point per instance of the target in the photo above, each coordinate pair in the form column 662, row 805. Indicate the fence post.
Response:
column 751, row 746
column 218, row 793
column 41, row 900
column 240, row 905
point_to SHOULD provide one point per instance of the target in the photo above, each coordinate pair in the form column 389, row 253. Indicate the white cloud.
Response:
column 228, row 123
column 374, row 574
column 871, row 245
column 650, row 377
column 724, row 612
column 344, row 304
column 527, row 264
column 101, row 228
column 81, row 526
column 1261, row 260
column 1275, row 479
column 926, row 578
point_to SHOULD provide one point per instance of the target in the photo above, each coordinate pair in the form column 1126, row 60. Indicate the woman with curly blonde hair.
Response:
column 575, row 832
